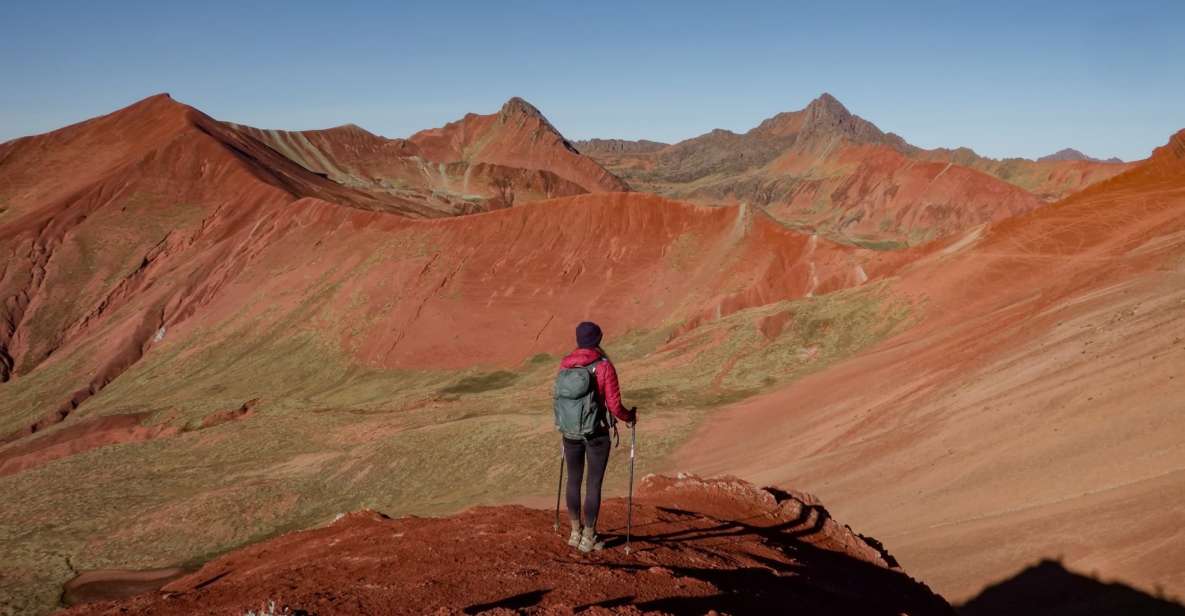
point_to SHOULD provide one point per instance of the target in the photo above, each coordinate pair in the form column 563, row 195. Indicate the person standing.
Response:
column 587, row 407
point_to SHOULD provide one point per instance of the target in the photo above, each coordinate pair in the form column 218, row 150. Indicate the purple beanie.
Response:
column 588, row 335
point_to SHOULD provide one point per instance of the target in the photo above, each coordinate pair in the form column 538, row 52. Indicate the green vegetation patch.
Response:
column 541, row 359
column 875, row 244
column 479, row 383
column 728, row 360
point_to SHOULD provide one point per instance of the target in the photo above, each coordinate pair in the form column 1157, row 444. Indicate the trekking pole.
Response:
column 558, row 489
column 629, row 514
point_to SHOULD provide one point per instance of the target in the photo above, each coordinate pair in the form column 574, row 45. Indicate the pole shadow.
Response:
column 520, row 601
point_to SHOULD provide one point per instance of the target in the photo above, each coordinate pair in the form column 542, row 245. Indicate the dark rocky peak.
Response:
column 517, row 107
column 1072, row 154
column 826, row 107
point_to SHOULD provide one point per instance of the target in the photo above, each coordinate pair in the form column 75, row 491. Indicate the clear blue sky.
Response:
column 1006, row 78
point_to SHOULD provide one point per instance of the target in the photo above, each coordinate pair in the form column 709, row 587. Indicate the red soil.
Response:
column 697, row 546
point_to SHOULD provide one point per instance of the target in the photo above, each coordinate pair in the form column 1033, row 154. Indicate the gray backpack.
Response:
column 578, row 413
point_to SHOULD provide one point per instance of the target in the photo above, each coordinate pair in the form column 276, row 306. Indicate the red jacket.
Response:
column 608, row 389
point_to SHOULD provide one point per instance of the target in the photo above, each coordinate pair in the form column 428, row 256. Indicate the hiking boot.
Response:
column 589, row 541
column 574, row 538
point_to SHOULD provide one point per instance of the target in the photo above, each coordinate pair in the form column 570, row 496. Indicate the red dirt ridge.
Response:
column 698, row 545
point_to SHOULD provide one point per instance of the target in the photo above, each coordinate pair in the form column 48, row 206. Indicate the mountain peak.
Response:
column 822, row 119
column 518, row 107
column 1173, row 151
column 159, row 110
column 828, row 105
column 1072, row 154
column 828, row 112
column 159, row 102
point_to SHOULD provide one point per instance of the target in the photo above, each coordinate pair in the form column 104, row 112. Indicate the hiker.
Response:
column 587, row 407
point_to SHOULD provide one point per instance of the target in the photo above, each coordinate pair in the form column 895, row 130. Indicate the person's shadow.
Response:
column 1049, row 589
column 815, row 581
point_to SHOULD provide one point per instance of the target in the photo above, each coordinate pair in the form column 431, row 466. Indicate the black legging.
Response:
column 597, row 450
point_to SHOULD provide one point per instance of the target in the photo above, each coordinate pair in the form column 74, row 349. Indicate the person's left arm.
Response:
column 611, row 388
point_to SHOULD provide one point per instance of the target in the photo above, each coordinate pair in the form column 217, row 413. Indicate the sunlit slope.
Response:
column 1032, row 412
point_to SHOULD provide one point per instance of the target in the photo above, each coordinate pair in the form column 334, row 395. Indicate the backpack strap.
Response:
column 592, row 372
column 609, row 414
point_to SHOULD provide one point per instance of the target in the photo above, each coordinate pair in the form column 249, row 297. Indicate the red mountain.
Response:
column 478, row 163
column 1072, row 154
column 517, row 136
column 827, row 169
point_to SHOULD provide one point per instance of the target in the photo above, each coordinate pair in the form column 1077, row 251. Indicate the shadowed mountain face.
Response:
column 824, row 168
column 1049, row 589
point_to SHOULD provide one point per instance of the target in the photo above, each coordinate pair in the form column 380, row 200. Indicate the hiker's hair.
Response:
column 602, row 352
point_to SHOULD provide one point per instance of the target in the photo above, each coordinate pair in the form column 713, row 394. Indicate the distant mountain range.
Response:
column 1072, row 154
column 825, row 169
